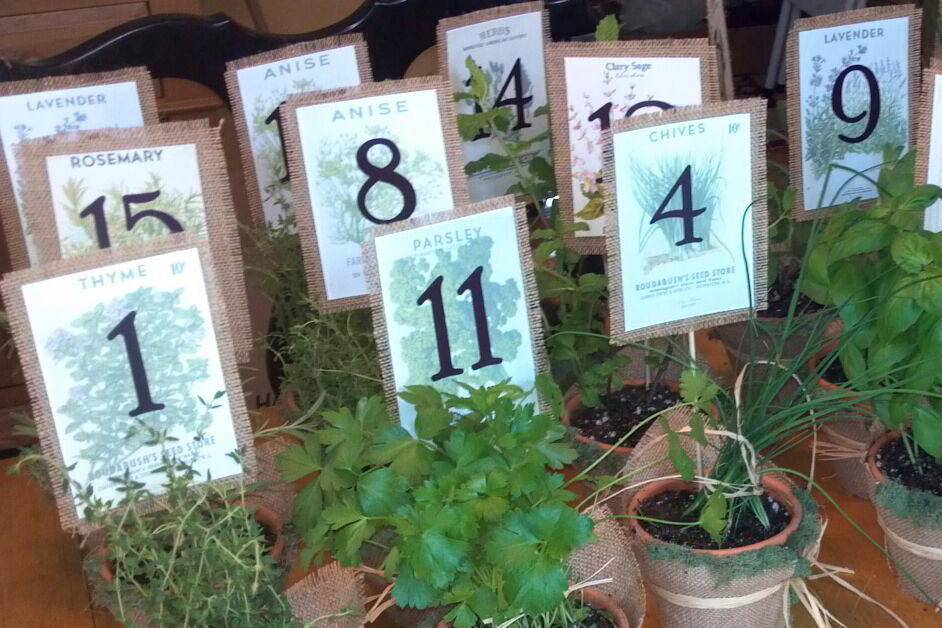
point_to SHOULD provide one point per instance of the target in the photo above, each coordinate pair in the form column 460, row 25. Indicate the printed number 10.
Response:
column 433, row 294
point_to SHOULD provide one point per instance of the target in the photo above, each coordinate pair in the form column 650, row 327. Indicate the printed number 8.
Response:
column 384, row 174
column 837, row 103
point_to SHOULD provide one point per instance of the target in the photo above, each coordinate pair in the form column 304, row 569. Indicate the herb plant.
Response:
column 201, row 560
column 478, row 519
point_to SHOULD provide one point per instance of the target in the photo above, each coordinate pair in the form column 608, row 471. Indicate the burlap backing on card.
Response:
column 300, row 192
column 11, row 289
column 9, row 214
column 332, row 595
column 923, row 123
column 719, row 36
column 478, row 17
column 756, row 108
column 221, row 223
column 900, row 536
column 610, row 556
column 530, row 292
column 238, row 107
column 793, row 84
column 556, row 54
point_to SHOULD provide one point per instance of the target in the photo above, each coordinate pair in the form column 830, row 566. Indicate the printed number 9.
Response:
column 837, row 103
column 384, row 174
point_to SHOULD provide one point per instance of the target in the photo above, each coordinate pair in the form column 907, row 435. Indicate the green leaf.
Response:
column 405, row 455
column 607, row 29
column 549, row 392
column 929, row 290
column 900, row 412
column 462, row 616
column 675, row 451
column 340, row 515
column 432, row 417
column 855, row 366
column 410, row 592
column 301, row 460
column 884, row 355
column 862, row 237
column 897, row 312
column 478, row 81
column 927, row 430
column 540, row 588
column 436, row 557
column 697, row 388
column 911, row 251
column 713, row 515
column 349, row 541
column 307, row 506
column 698, row 429
column 381, row 492
column 491, row 162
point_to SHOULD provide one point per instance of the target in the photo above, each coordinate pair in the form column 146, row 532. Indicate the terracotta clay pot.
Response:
column 594, row 598
column 574, row 404
column 266, row 517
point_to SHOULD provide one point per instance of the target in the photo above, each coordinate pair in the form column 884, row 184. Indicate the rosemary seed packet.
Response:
column 596, row 83
column 54, row 106
column 507, row 43
column 367, row 156
column 929, row 140
column 259, row 85
column 853, row 82
column 143, row 348
column 687, row 223
column 455, row 302
column 113, row 188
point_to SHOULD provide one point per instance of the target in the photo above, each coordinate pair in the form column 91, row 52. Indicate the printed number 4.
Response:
column 687, row 213
column 433, row 294
column 519, row 101
column 96, row 209
column 127, row 330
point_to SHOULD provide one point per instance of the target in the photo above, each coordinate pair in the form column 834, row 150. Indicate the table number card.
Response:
column 143, row 345
column 853, row 82
column 454, row 300
column 687, row 223
column 929, row 140
column 259, row 84
column 119, row 187
column 594, row 84
column 56, row 105
column 507, row 43
column 366, row 156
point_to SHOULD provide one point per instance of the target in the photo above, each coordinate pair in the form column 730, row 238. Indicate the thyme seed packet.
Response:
column 367, row 156
column 55, row 106
column 687, row 223
column 113, row 188
column 507, row 43
column 853, row 83
column 118, row 346
column 596, row 83
column 455, row 302
column 929, row 140
column 258, row 85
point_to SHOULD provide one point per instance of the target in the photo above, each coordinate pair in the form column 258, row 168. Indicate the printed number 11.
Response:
column 433, row 294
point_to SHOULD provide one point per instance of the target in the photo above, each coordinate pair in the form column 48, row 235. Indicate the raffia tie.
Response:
column 838, row 447
column 821, row 616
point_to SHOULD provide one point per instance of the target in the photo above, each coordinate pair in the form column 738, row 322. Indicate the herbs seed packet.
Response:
column 687, row 224
column 367, row 156
column 259, row 84
column 53, row 106
column 142, row 347
column 507, row 43
column 455, row 302
column 113, row 188
column 929, row 139
column 853, row 83
column 594, row 84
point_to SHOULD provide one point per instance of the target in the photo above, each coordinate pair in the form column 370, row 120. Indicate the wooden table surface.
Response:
column 42, row 586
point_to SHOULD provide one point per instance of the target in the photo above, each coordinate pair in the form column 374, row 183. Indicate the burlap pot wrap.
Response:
column 746, row 345
column 844, row 446
column 612, row 551
column 917, row 552
column 273, row 492
column 331, row 597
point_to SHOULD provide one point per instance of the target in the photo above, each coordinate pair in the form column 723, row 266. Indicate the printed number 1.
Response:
column 433, row 294
column 604, row 113
column 519, row 101
column 687, row 212
column 275, row 116
column 128, row 331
